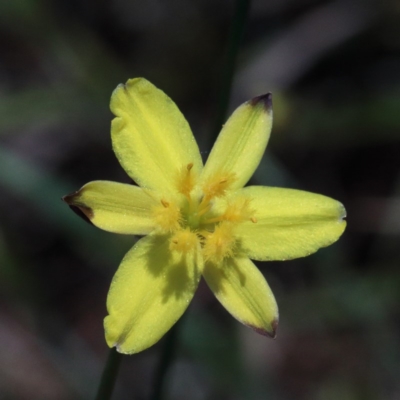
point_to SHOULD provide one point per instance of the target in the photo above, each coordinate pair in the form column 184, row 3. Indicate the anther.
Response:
column 189, row 166
column 164, row 203
column 184, row 241
column 223, row 181
column 253, row 220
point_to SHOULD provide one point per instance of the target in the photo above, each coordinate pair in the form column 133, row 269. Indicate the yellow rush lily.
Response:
column 199, row 220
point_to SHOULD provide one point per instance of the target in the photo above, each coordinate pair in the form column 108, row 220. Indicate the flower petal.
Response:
column 151, row 138
column 150, row 291
column 115, row 207
column 288, row 223
column 243, row 291
column 242, row 142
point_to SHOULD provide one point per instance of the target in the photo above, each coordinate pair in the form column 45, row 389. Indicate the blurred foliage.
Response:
column 333, row 68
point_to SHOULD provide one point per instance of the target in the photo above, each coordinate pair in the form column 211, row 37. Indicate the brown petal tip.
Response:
column 264, row 99
column 83, row 211
column 264, row 332
column 69, row 198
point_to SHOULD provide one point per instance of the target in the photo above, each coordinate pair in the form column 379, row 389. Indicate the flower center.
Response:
column 206, row 217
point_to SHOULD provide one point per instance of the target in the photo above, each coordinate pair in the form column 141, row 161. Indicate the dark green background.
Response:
column 333, row 68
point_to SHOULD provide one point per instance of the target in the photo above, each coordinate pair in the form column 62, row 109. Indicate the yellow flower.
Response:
column 199, row 220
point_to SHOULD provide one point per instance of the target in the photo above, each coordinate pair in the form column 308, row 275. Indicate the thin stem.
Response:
column 167, row 357
column 109, row 375
column 235, row 37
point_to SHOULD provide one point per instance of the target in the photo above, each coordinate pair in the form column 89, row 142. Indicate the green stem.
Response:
column 235, row 37
column 167, row 357
column 109, row 375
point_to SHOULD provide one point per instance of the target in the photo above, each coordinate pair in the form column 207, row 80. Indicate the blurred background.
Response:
column 333, row 67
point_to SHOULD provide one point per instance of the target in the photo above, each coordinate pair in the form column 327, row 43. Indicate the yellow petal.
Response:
column 150, row 291
column 115, row 207
column 288, row 223
column 151, row 138
column 241, row 143
column 244, row 292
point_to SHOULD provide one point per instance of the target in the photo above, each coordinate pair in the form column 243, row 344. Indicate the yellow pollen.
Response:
column 184, row 241
column 239, row 210
column 219, row 244
column 218, row 184
column 167, row 216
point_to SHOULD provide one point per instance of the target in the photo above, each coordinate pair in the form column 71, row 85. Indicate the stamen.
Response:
column 184, row 241
column 253, row 220
column 167, row 216
column 218, row 184
column 212, row 220
column 203, row 209
column 186, row 180
column 219, row 244
column 204, row 202
column 239, row 210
